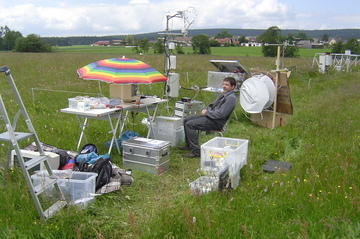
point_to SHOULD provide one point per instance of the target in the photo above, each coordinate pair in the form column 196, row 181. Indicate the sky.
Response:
column 48, row 18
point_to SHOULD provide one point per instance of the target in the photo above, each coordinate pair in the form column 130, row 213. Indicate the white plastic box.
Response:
column 79, row 188
column 175, row 136
column 168, row 123
column 229, row 150
column 79, row 103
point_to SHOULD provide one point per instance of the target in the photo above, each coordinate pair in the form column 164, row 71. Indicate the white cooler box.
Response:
column 220, row 150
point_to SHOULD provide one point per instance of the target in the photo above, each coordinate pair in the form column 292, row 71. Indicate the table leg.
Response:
column 82, row 134
column 151, row 121
column 113, row 132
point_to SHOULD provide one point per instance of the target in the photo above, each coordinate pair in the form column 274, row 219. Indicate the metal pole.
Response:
column 276, row 85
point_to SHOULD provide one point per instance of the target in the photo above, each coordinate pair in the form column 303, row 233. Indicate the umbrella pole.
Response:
column 99, row 88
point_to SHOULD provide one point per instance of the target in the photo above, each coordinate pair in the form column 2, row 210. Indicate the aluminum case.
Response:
column 149, row 155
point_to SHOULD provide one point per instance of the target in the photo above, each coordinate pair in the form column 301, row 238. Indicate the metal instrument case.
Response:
column 149, row 155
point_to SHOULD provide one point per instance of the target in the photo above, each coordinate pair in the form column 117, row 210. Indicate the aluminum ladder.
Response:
column 38, row 193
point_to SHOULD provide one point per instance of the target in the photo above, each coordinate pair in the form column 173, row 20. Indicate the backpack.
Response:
column 102, row 166
column 88, row 148
column 64, row 157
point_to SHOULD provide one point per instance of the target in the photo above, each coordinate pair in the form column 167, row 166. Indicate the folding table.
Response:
column 100, row 114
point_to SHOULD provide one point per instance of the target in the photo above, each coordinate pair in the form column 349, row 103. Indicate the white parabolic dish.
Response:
column 257, row 93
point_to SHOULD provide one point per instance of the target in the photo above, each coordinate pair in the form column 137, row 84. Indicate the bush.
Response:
column 31, row 43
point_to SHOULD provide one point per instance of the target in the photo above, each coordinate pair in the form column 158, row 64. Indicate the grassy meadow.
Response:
column 317, row 198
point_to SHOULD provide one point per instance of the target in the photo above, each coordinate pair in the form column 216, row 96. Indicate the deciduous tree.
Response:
column 201, row 44
column 31, row 43
column 353, row 45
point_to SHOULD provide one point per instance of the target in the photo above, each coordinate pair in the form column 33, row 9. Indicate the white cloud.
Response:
column 79, row 18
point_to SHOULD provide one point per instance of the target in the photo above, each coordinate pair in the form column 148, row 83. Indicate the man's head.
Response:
column 229, row 84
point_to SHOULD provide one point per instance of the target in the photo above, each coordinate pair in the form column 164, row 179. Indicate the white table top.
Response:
column 107, row 111
column 94, row 112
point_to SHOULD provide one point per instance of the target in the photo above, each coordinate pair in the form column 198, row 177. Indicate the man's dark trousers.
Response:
column 194, row 123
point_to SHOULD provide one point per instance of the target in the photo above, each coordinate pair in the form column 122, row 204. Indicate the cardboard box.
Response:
column 126, row 92
column 265, row 119
column 283, row 102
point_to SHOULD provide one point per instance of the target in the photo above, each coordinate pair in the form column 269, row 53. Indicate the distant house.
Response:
column 309, row 44
column 304, row 44
column 225, row 41
column 251, row 44
column 101, row 43
column 333, row 41
column 107, row 43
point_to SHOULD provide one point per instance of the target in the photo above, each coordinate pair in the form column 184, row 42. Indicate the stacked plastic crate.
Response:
column 221, row 161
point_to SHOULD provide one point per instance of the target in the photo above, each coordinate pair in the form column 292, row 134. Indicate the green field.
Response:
column 317, row 198
column 216, row 51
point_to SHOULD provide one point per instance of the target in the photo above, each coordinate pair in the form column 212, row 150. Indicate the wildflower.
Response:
column 266, row 189
column 298, row 180
column 350, row 188
column 305, row 180
column 339, row 186
column 320, row 191
column 346, row 197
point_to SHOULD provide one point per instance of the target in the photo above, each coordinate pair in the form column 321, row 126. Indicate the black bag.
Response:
column 102, row 167
column 64, row 157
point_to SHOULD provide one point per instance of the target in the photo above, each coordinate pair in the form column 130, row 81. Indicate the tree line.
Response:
column 11, row 40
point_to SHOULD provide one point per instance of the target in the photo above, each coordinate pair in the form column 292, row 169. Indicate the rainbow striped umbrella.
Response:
column 121, row 71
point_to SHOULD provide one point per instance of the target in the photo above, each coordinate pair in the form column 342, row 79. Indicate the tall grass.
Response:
column 317, row 198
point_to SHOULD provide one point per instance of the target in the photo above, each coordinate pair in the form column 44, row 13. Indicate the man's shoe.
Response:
column 191, row 155
column 185, row 147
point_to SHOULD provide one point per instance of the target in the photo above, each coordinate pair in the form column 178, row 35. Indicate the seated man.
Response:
column 214, row 117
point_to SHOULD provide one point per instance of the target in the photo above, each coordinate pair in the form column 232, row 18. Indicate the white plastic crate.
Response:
column 78, row 187
column 229, row 150
column 176, row 137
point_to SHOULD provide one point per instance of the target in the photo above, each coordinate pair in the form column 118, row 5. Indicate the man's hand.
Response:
column 203, row 112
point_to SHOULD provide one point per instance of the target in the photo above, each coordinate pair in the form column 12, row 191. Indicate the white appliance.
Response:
column 54, row 159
